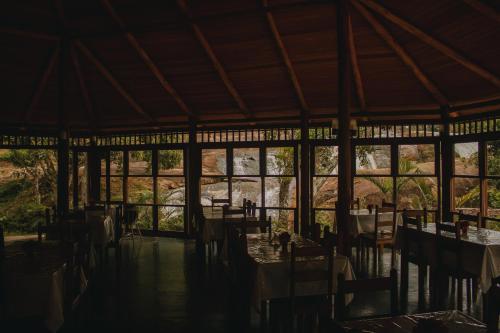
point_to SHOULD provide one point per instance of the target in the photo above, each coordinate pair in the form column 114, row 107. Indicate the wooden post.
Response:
column 447, row 162
column 344, row 135
column 305, row 176
column 93, row 173
column 193, row 168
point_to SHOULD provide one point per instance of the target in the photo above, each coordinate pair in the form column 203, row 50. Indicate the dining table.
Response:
column 451, row 321
column 33, row 281
column 272, row 269
column 363, row 221
column 481, row 254
column 214, row 223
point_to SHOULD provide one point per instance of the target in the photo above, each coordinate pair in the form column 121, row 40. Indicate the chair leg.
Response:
column 468, row 285
column 460, row 294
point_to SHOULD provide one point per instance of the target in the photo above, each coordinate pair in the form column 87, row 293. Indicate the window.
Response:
column 466, row 183
column 373, row 160
column 325, row 185
column 466, row 159
column 246, row 161
column 493, row 178
column 214, row 163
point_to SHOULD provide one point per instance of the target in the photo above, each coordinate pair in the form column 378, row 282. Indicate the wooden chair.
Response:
column 131, row 215
column 471, row 219
column 450, row 260
column 315, row 306
column 388, row 204
column 380, row 238
column 355, row 204
column 260, row 226
column 365, row 285
column 216, row 201
column 413, row 252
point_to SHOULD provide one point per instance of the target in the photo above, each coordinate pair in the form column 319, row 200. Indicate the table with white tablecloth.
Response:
column 102, row 227
column 213, row 229
column 363, row 221
column 272, row 269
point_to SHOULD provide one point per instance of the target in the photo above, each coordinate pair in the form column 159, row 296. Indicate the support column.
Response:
column 62, row 174
column 344, row 135
column 93, row 173
column 305, row 176
column 193, row 179
column 447, row 161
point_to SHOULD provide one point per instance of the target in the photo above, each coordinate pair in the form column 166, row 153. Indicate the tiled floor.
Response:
column 161, row 285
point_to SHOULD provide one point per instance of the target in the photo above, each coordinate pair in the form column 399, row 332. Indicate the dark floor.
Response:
column 161, row 285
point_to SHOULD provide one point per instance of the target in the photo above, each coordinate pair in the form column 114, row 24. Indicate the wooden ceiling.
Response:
column 124, row 64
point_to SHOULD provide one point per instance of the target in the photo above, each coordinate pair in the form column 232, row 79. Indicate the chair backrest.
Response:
column 423, row 214
column 365, row 285
column 329, row 239
column 355, row 204
column 449, row 247
column 412, row 236
column 312, row 273
column 130, row 215
column 219, row 201
column 388, row 204
column 385, row 222
column 261, row 225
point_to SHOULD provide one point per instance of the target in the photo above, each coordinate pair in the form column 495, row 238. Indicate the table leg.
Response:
column 263, row 316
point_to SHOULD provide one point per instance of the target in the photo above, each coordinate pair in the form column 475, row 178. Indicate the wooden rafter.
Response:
column 215, row 61
column 147, row 59
column 426, row 38
column 401, row 52
column 83, row 88
column 42, row 83
column 484, row 9
column 114, row 82
column 286, row 57
column 355, row 67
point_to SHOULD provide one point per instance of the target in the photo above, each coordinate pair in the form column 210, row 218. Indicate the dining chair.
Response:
column 309, row 308
column 471, row 219
column 216, row 201
column 382, row 235
column 388, row 204
column 260, row 226
column 131, row 215
column 355, row 204
column 450, row 260
column 345, row 287
column 412, row 251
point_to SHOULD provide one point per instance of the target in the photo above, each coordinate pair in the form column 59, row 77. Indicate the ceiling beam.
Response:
column 401, row 52
column 147, row 59
column 355, row 66
column 83, row 89
column 429, row 40
column 286, row 58
column 114, row 82
column 215, row 61
column 484, row 9
column 42, row 83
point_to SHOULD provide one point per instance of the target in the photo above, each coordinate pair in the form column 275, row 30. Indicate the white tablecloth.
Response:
column 273, row 274
column 214, row 228
column 101, row 227
column 362, row 221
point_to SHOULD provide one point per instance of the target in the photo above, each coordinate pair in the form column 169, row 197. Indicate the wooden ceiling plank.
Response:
column 114, row 82
column 42, row 83
column 355, row 67
column 401, row 52
column 92, row 118
column 215, row 61
column 30, row 34
column 286, row 58
column 484, row 9
column 167, row 86
column 426, row 38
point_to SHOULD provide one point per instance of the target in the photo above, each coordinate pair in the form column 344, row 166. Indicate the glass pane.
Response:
column 324, row 192
column 116, row 162
column 139, row 162
column 493, row 148
column 280, row 192
column 171, row 191
column 279, row 161
column 374, row 160
column 170, row 218
column 246, row 161
column 494, row 198
column 170, row 162
column 466, row 194
column 140, row 190
column 213, row 187
column 417, row 192
column 116, row 188
column 246, row 188
column 326, row 160
column 281, row 219
column 103, row 166
column 82, row 179
column 103, row 189
column 371, row 190
column 213, row 162
column 70, row 180
column 416, row 159
column 325, row 218
column 466, row 159
column 145, row 217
